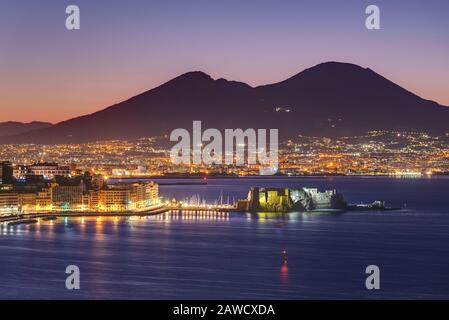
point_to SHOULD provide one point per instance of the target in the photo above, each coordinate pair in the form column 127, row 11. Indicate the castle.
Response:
column 285, row 200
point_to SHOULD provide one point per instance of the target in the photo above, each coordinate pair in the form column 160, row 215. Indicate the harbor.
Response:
column 234, row 244
column 259, row 200
column 28, row 218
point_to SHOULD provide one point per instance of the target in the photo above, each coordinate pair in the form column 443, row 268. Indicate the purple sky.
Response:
column 126, row 47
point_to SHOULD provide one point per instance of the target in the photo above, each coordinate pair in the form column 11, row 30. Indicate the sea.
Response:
column 238, row 255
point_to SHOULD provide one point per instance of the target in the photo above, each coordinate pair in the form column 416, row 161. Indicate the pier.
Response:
column 193, row 215
column 203, row 208
column 62, row 214
column 190, row 210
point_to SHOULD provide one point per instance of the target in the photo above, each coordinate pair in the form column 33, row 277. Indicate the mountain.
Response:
column 11, row 128
column 330, row 99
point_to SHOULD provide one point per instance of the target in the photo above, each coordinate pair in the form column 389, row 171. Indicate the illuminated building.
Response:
column 20, row 172
column 123, row 197
column 144, row 194
column 49, row 170
column 94, row 200
column 68, row 197
column 44, row 199
column 9, row 202
column 27, row 201
column 285, row 199
column 115, row 198
column 269, row 199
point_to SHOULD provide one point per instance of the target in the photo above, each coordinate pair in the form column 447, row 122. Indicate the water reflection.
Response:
column 280, row 218
column 192, row 215
column 284, row 268
column 99, row 235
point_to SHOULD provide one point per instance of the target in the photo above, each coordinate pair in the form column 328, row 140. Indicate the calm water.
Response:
column 187, row 256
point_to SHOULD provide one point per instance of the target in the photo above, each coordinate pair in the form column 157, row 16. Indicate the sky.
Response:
column 48, row 73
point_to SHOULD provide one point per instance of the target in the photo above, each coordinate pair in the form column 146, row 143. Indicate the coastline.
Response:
column 25, row 216
column 277, row 176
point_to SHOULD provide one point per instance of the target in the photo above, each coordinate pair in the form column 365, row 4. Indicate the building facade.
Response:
column 6, row 173
column 68, row 197
column 9, row 202
column 49, row 170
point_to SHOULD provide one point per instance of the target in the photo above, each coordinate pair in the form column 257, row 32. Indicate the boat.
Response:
column 50, row 218
column 24, row 221
column 376, row 205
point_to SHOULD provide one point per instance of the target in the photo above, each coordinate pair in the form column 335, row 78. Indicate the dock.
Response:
column 28, row 216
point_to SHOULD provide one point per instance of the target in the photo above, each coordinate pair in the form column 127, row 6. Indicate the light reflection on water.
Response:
column 198, row 255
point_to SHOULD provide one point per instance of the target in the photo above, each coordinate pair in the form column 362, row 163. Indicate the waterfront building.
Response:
column 9, row 202
column 144, row 194
column 27, row 201
column 115, row 198
column 321, row 200
column 154, row 192
column 285, row 199
column 93, row 200
column 270, row 199
column 80, row 193
column 123, row 197
column 44, row 198
column 68, row 197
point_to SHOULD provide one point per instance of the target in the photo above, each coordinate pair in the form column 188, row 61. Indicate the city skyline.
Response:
column 53, row 74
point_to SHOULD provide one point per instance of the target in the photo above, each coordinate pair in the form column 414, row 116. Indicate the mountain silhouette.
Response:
column 330, row 99
column 10, row 128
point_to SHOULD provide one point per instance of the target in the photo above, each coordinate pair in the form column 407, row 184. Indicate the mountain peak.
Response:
column 330, row 99
column 328, row 71
column 337, row 64
column 194, row 76
column 334, row 67
column 189, row 79
column 200, row 79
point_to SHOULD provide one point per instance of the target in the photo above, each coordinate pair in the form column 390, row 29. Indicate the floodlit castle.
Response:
column 285, row 200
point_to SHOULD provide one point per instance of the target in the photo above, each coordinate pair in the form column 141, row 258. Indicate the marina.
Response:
column 259, row 200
